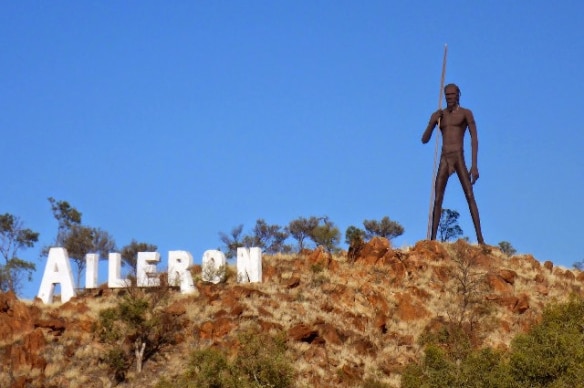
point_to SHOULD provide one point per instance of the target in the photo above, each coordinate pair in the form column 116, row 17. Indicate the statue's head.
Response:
column 452, row 94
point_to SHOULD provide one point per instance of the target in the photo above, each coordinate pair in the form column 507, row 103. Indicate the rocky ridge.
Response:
column 345, row 320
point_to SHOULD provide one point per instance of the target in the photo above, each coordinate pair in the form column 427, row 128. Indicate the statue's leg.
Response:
column 464, row 178
column 439, row 189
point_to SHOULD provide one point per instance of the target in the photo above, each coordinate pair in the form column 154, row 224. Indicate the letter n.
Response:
column 249, row 265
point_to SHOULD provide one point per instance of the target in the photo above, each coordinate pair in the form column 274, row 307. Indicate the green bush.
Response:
column 117, row 360
column 261, row 362
column 135, row 329
column 550, row 355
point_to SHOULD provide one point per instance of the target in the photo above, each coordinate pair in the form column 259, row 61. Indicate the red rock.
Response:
column 535, row 265
column 264, row 312
column 177, row 309
column 206, row 330
column 380, row 321
column 331, row 334
column 548, row 265
column 508, row 275
column 316, row 355
column 293, row 282
column 539, row 278
column 269, row 273
column 430, row 250
column 498, row 284
column 57, row 326
column 542, row 289
column 302, row 332
column 409, row 309
column 319, row 257
column 441, row 273
column 352, row 371
column 266, row 326
column 364, row 346
column 569, row 275
column 15, row 316
column 522, row 304
column 28, row 354
column 217, row 328
column 373, row 251
column 237, row 310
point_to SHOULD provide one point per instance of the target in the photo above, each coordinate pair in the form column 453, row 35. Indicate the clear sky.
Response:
column 169, row 122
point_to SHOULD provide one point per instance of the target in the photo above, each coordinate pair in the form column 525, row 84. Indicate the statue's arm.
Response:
column 474, row 143
column 431, row 125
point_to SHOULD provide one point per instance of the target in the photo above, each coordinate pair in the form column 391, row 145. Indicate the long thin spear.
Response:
column 432, row 193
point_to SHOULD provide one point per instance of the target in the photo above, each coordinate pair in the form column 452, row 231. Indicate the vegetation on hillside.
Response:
column 551, row 354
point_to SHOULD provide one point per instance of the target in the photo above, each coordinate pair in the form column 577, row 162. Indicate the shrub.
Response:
column 326, row 235
column 354, row 237
column 261, row 362
column 507, row 248
column 301, row 228
column 448, row 228
column 551, row 354
column 384, row 228
column 140, row 319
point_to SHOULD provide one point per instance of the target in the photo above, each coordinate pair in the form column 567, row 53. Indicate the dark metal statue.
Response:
column 453, row 122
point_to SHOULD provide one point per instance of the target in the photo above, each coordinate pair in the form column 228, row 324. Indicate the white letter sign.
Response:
column 249, row 265
column 57, row 271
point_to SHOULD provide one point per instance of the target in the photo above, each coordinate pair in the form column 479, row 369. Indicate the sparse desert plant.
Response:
column 448, row 228
column 355, row 238
column 551, row 354
column 260, row 362
column 301, row 229
column 507, row 248
column 13, row 238
column 384, row 228
column 480, row 368
column 130, row 254
column 76, row 238
column 373, row 383
column 471, row 287
column 232, row 241
column 135, row 329
column 270, row 238
column 326, row 235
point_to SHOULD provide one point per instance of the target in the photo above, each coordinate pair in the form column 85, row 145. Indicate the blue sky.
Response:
column 169, row 122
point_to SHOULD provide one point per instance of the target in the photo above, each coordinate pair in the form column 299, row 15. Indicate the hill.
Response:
column 336, row 321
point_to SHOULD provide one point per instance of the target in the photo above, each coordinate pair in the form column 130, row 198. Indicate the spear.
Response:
column 432, row 193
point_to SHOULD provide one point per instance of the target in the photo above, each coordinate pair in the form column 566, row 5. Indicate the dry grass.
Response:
column 346, row 296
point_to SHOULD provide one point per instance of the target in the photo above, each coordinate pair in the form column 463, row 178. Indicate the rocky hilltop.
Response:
column 343, row 318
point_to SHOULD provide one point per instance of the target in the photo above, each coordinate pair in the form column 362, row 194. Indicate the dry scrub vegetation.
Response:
column 315, row 320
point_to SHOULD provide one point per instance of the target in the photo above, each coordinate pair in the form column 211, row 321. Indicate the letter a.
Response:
column 57, row 271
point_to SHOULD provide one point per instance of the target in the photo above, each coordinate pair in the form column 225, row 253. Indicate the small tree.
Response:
column 507, row 248
column 268, row 237
column 78, row 239
column 327, row 235
column 354, row 237
column 301, row 229
column 13, row 238
column 232, row 241
column 130, row 254
column 384, row 228
column 136, row 328
column 448, row 228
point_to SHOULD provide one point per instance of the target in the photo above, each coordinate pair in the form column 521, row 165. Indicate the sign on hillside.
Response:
column 58, row 271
